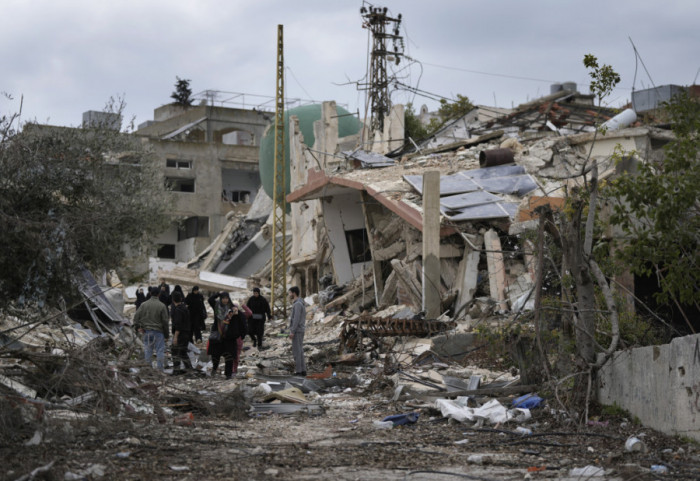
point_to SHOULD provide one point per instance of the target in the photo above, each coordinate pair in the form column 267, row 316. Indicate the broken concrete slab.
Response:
column 285, row 408
column 453, row 344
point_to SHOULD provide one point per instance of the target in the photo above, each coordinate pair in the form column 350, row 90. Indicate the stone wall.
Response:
column 658, row 384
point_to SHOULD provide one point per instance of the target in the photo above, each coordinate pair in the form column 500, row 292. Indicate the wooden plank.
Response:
column 367, row 210
column 415, row 250
column 456, row 145
column 408, row 281
column 389, row 252
column 469, row 273
column 388, row 297
column 448, row 272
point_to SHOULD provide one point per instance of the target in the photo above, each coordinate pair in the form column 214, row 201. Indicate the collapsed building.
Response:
column 357, row 216
column 359, row 226
column 361, row 222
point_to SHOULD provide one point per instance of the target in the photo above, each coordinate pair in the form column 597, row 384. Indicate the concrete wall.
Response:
column 343, row 213
column 220, row 121
column 214, row 167
column 304, row 215
column 658, row 384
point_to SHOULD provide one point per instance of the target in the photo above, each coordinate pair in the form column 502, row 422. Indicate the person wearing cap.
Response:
column 231, row 326
column 151, row 320
column 261, row 311
column 198, row 313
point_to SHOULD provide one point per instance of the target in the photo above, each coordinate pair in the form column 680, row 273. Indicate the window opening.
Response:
column 358, row 245
column 193, row 227
column 166, row 251
column 179, row 185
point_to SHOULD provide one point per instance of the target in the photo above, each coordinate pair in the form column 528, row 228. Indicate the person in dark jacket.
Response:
column 198, row 312
column 182, row 333
column 231, row 326
column 140, row 297
column 164, row 295
column 261, row 311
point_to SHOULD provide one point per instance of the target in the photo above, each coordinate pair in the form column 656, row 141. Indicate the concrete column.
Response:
column 497, row 269
column 431, row 244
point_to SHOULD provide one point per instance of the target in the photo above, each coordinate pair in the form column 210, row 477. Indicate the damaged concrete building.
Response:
column 358, row 216
column 209, row 160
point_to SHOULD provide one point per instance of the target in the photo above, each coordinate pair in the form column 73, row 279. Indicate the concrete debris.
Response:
column 292, row 394
column 373, row 328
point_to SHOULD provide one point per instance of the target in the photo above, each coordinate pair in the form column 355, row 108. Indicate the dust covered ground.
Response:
column 126, row 439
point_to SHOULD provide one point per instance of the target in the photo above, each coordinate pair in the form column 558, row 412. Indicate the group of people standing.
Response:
column 161, row 313
column 188, row 315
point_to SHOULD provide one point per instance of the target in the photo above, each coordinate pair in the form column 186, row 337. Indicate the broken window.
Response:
column 178, row 164
column 236, row 196
column 179, row 185
column 358, row 245
column 166, row 251
column 193, row 227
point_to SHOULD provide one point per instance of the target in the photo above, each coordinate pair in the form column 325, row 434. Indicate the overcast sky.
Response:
column 67, row 56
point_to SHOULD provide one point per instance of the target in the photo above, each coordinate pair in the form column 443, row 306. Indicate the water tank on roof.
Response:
column 348, row 124
column 570, row 86
column 621, row 120
column 554, row 88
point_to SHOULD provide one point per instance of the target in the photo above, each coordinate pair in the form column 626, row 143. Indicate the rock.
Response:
column 531, row 164
column 453, row 344
column 543, row 153
column 512, row 144
column 517, row 228
column 479, row 459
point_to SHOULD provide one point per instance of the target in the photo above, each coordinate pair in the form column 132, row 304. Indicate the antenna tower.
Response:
column 279, row 205
column 378, row 22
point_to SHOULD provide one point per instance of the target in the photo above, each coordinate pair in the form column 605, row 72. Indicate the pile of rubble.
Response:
column 82, row 405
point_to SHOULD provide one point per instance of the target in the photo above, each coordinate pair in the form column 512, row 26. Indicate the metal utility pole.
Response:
column 378, row 22
column 279, row 204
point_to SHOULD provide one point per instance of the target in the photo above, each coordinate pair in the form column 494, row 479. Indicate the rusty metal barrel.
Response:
column 493, row 157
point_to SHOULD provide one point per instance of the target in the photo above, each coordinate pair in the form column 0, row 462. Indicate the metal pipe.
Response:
column 493, row 157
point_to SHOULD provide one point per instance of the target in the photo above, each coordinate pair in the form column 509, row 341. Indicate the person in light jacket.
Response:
column 297, row 326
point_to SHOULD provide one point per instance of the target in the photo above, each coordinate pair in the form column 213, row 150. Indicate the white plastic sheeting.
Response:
column 492, row 412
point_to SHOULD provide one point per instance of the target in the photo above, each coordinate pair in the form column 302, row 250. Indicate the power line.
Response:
column 297, row 81
column 641, row 61
column 490, row 73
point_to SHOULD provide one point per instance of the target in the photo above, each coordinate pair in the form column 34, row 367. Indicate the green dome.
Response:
column 348, row 124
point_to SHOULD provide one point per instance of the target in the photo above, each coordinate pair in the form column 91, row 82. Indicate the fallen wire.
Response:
column 459, row 475
column 517, row 442
column 554, row 433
